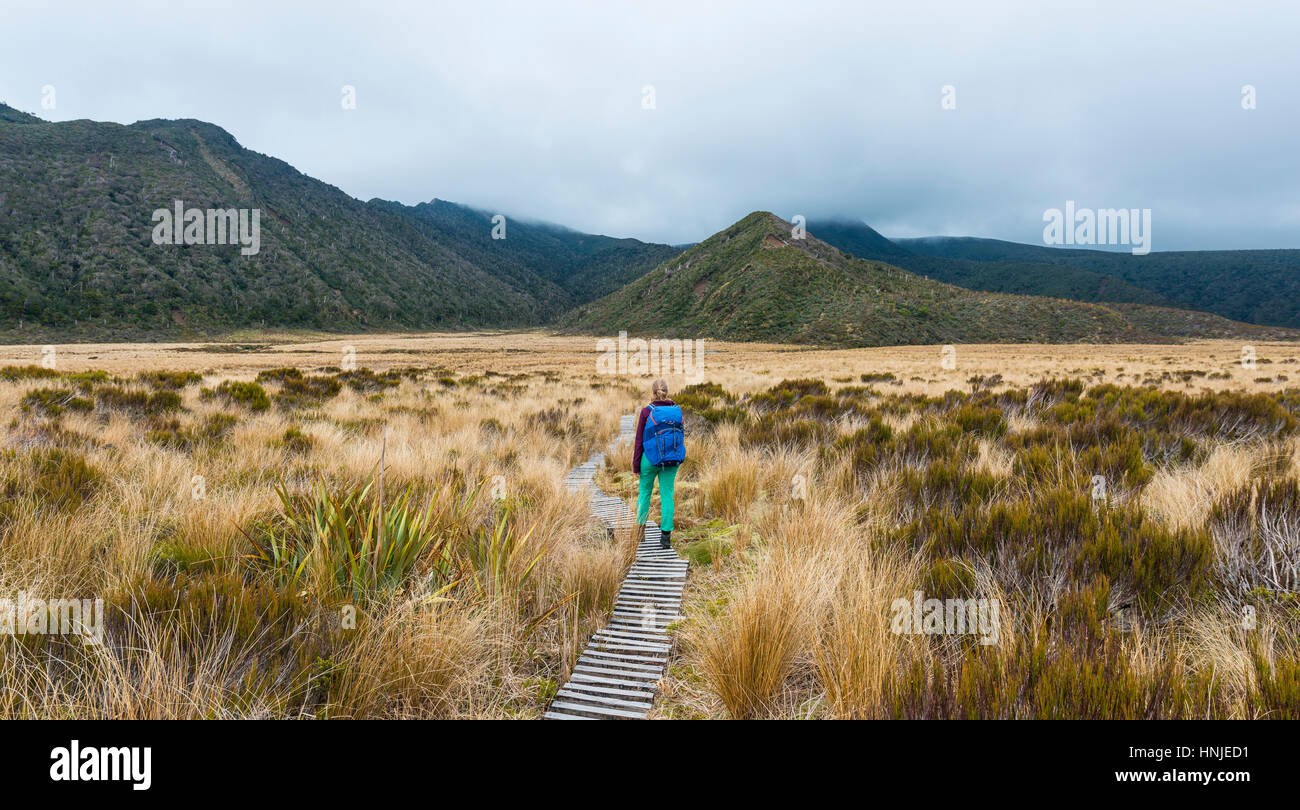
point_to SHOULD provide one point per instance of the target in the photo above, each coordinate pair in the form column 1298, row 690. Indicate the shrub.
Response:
column 53, row 402
column 1042, row 677
column 170, row 380
column 778, row 431
column 258, row 643
column 365, row 380
column 295, row 441
column 1278, row 696
column 211, row 431
column 948, row 483
column 1228, row 415
column 15, row 373
column 981, row 421
column 786, row 393
column 868, row 445
column 307, row 391
column 702, row 396
column 278, row 375
column 57, row 478
column 246, row 394
column 137, row 402
column 877, row 376
column 299, row 390
column 1064, row 530
column 1254, row 526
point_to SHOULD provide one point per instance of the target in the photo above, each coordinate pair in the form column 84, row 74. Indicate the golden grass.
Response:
column 740, row 367
column 791, row 622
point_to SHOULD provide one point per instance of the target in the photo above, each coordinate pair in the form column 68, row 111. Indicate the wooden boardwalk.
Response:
column 617, row 675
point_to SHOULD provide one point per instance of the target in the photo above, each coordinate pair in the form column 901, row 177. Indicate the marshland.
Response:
column 375, row 526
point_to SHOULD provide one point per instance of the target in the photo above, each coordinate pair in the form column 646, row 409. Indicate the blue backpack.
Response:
column 664, row 438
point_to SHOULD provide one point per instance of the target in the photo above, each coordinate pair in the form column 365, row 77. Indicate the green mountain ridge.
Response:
column 78, row 261
column 77, row 257
column 1254, row 286
column 1021, row 275
column 584, row 266
column 753, row 281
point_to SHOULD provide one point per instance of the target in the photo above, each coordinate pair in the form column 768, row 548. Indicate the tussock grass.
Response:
column 250, row 567
column 1125, row 533
column 812, row 500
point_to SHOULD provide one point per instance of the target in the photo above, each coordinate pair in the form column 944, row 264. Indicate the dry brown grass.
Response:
column 741, row 367
column 787, row 623
column 490, row 651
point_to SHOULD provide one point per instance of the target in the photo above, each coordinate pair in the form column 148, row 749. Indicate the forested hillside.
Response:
column 78, row 259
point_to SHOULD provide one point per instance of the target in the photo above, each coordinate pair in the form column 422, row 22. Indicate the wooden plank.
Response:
column 624, row 683
column 609, row 690
column 647, row 604
column 653, row 625
column 623, row 638
column 628, row 645
column 605, row 699
column 656, row 633
column 640, row 600
column 645, row 678
column 639, row 635
column 607, row 663
column 666, row 616
column 657, row 630
column 645, row 619
column 559, row 716
column 635, row 659
column 650, row 645
column 599, row 710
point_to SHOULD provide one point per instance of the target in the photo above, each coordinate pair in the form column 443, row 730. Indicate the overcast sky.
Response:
column 539, row 109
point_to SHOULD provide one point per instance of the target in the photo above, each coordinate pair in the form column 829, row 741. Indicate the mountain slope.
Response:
column 1256, row 286
column 753, row 282
column 1022, row 275
column 584, row 266
column 76, row 226
column 859, row 239
column 77, row 256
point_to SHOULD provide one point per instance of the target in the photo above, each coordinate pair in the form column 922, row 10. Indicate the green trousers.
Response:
column 667, row 478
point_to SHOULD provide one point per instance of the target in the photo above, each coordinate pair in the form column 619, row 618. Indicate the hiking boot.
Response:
column 665, row 540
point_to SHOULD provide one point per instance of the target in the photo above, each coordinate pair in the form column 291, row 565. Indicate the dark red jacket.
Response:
column 640, row 431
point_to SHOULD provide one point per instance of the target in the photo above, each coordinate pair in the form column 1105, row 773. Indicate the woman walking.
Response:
column 659, row 449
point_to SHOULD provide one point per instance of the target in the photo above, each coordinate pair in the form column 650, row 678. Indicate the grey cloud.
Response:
column 817, row 108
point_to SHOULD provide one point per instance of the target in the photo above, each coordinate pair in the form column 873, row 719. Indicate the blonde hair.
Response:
column 659, row 389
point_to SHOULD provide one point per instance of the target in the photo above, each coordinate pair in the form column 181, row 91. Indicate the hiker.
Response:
column 660, row 447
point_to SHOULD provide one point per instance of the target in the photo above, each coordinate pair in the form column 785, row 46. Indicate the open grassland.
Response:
column 225, row 502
